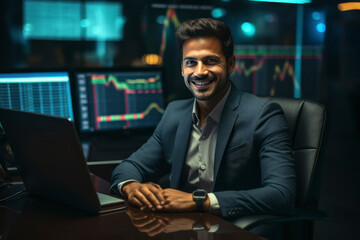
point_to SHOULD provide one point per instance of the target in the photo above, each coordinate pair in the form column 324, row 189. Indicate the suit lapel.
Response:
column 180, row 147
column 228, row 118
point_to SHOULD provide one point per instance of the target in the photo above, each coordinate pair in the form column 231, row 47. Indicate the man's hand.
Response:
column 147, row 196
column 178, row 201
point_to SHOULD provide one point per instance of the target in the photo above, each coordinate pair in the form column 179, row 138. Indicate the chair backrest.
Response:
column 306, row 120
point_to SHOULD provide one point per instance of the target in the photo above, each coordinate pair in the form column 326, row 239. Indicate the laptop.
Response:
column 51, row 161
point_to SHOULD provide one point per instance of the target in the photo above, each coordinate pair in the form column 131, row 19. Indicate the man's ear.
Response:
column 231, row 64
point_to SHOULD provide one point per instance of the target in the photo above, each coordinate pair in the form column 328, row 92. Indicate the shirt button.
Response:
column 202, row 167
column 203, row 137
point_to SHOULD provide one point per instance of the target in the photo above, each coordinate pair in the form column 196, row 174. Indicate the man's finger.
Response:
column 143, row 200
column 157, row 191
column 134, row 201
column 151, row 198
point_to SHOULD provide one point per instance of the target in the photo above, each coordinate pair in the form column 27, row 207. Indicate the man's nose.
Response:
column 201, row 69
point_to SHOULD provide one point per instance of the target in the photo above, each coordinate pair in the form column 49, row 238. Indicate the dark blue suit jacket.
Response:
column 254, row 169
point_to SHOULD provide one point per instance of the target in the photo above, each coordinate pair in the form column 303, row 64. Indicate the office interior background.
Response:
column 305, row 49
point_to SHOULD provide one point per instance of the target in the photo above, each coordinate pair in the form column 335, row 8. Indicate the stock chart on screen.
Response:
column 114, row 100
column 41, row 92
column 271, row 71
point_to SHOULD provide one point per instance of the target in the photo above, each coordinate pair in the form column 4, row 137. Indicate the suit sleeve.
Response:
column 145, row 165
column 276, row 195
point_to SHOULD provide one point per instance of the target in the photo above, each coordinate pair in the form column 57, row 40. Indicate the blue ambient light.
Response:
column 218, row 12
column 248, row 29
column 321, row 27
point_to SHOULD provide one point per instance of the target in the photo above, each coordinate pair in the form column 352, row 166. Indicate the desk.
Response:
column 31, row 217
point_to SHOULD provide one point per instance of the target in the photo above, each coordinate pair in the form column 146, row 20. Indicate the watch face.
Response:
column 199, row 193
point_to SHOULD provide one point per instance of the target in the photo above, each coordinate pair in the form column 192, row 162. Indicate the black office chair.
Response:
column 306, row 120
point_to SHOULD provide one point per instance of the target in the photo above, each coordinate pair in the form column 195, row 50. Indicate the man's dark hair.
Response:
column 206, row 27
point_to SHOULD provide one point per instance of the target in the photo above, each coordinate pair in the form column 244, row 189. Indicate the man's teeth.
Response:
column 201, row 82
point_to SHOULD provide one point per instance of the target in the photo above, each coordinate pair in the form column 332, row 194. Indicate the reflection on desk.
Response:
column 197, row 225
column 35, row 218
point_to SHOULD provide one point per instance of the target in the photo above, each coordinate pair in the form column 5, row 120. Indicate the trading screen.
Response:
column 272, row 71
column 114, row 100
column 41, row 92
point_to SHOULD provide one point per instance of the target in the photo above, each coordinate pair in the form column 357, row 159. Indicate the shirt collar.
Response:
column 215, row 114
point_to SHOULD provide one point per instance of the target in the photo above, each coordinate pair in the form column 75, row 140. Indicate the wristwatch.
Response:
column 199, row 196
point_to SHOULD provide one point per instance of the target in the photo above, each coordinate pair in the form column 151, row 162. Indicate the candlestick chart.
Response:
column 120, row 100
column 271, row 71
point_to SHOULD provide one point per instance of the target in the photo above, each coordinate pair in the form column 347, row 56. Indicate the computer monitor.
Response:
column 73, row 20
column 43, row 92
column 118, row 99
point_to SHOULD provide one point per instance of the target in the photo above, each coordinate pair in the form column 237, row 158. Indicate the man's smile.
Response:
column 202, row 82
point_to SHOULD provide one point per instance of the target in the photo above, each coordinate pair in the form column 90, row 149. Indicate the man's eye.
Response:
column 190, row 63
column 211, row 61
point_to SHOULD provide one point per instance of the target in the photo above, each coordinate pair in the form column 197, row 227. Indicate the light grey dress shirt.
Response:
column 200, row 155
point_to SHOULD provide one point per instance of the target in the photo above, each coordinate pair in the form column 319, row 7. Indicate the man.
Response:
column 228, row 152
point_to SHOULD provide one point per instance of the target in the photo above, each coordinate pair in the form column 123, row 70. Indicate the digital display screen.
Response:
column 271, row 71
column 52, row 20
column 115, row 100
column 41, row 92
column 73, row 20
column 104, row 21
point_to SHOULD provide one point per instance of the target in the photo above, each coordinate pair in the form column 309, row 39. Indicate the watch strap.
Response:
column 199, row 204
column 199, row 200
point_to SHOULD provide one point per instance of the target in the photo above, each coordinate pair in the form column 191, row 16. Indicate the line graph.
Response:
column 280, row 73
column 118, row 100
column 241, row 68
column 129, row 85
column 131, row 116
column 170, row 17
column 271, row 72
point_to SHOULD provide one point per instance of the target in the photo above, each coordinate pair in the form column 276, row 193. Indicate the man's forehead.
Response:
column 201, row 47
column 210, row 42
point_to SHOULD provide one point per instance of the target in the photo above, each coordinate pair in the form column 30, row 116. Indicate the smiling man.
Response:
column 227, row 152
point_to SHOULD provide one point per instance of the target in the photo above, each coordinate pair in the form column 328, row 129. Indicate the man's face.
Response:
column 205, row 68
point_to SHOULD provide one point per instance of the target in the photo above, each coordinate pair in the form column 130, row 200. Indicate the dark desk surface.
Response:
column 29, row 217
